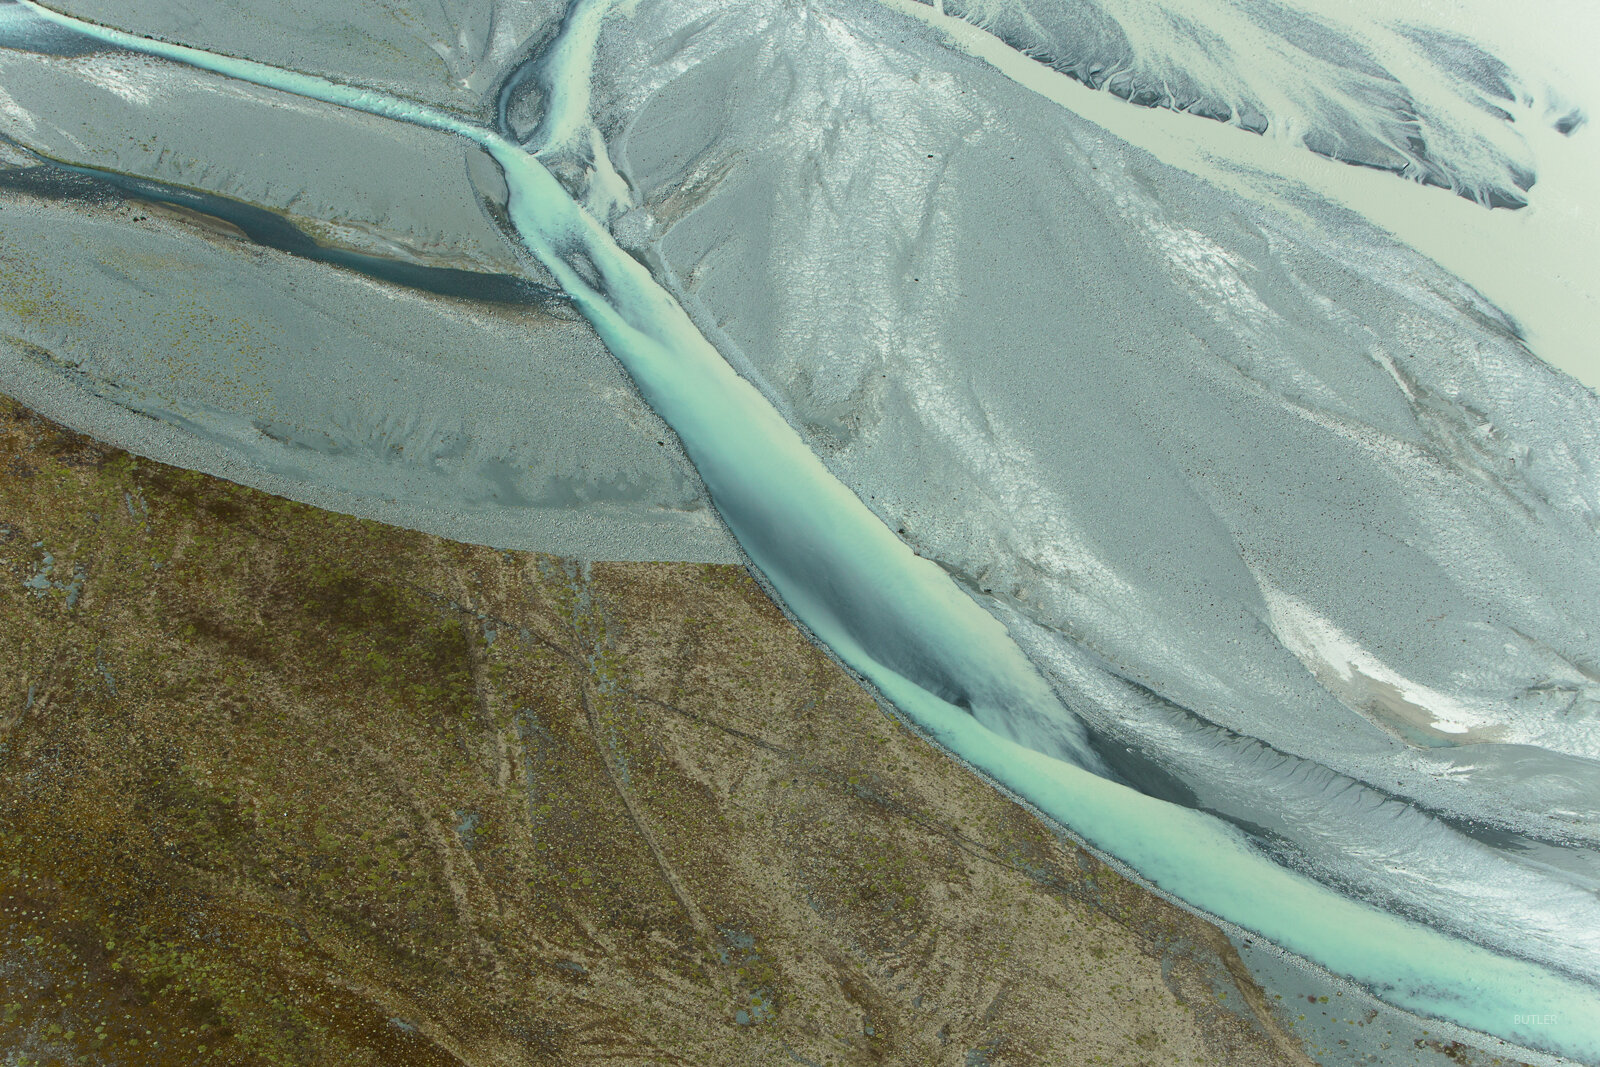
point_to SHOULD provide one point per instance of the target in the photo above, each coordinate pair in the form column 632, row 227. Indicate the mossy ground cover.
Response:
column 279, row 786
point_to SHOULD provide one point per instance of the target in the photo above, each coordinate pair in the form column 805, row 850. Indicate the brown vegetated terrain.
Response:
column 279, row 786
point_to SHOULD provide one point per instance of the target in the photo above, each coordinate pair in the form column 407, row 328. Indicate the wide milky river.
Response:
column 967, row 673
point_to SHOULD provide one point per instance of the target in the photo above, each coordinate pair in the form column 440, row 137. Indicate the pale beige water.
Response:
column 901, row 621
column 1541, row 264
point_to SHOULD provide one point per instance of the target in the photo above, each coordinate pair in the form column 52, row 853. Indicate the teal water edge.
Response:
column 904, row 624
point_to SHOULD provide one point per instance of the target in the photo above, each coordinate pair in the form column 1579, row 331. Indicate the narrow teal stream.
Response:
column 940, row 658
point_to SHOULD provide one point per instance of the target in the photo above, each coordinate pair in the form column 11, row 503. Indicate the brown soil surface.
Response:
column 279, row 786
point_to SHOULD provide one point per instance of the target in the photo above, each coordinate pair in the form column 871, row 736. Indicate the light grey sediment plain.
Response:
column 1290, row 516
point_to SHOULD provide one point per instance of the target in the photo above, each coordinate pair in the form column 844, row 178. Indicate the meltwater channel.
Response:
column 903, row 623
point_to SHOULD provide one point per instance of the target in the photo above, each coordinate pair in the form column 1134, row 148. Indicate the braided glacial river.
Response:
column 948, row 664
